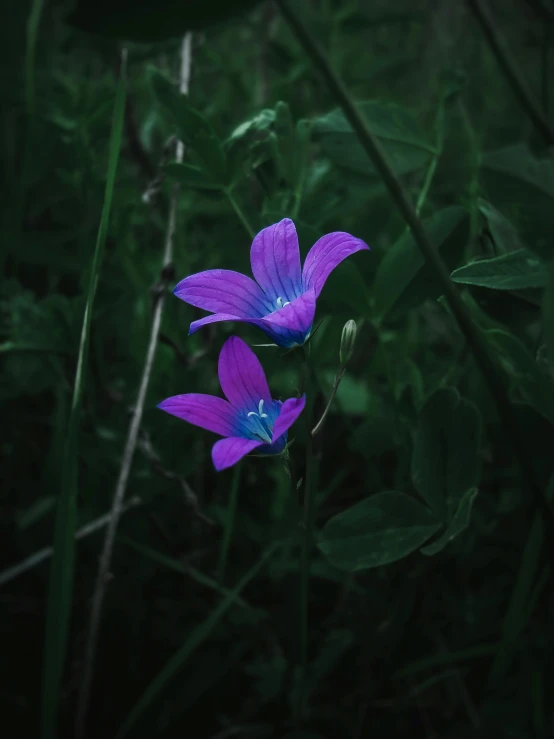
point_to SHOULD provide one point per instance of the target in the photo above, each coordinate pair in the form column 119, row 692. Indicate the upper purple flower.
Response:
column 282, row 301
column 249, row 419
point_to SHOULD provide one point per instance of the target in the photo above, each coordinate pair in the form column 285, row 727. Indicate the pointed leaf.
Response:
column 459, row 522
column 445, row 460
column 516, row 270
column 381, row 529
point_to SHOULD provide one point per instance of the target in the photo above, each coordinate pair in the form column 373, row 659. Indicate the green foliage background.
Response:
column 430, row 590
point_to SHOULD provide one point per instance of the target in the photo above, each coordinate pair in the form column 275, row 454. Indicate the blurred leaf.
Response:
column 380, row 529
column 445, row 460
column 459, row 522
column 536, row 387
column 522, row 186
column 35, row 512
column 192, row 128
column 404, row 279
column 190, row 176
column 152, row 20
column 548, row 316
column 504, row 234
column 404, row 141
column 516, row 270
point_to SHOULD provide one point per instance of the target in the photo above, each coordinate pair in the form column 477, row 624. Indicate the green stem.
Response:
column 545, row 49
column 434, row 161
column 338, row 377
column 306, row 539
column 398, row 194
column 509, row 67
column 229, row 524
column 240, row 213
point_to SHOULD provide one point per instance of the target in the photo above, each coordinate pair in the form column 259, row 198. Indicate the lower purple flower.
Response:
column 250, row 420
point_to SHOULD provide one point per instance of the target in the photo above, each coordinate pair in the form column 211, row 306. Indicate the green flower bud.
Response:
column 347, row 341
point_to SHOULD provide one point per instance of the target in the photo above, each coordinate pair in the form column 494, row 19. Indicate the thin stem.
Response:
column 429, row 176
column 305, row 544
column 132, row 436
column 431, row 255
column 240, row 213
column 509, row 67
column 229, row 524
column 545, row 50
column 338, row 377
column 46, row 552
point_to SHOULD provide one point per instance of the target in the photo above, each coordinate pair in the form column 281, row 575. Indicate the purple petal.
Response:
column 326, row 254
column 224, row 291
column 290, row 410
column 241, row 376
column 207, row 411
column 227, row 452
column 216, row 318
column 291, row 325
column 275, row 259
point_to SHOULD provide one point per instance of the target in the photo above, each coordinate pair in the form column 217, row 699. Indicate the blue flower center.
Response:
column 260, row 424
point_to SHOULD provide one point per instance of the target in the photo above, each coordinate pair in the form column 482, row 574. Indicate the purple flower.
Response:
column 249, row 419
column 282, row 301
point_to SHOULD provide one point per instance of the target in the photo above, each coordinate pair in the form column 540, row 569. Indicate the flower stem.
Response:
column 338, row 377
column 229, row 524
column 306, row 539
column 240, row 213
column 399, row 196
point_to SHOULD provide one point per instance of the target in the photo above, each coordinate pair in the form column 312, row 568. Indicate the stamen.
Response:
column 280, row 303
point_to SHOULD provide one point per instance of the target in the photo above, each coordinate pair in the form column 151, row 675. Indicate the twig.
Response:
column 511, row 70
column 132, row 437
column 43, row 554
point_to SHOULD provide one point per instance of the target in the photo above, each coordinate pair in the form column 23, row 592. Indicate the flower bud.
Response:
column 347, row 341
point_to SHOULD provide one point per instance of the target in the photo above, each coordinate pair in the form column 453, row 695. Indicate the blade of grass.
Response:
column 133, row 432
column 429, row 251
column 62, row 566
column 194, row 640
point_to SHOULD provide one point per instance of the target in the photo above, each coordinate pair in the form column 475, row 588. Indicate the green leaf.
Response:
column 192, row 642
column 404, row 141
column 403, row 279
column 381, row 529
column 152, row 20
column 445, row 459
column 189, row 176
column 516, row 270
column 458, row 523
column 523, row 188
column 503, row 232
column 527, row 377
column 192, row 128
column 62, row 565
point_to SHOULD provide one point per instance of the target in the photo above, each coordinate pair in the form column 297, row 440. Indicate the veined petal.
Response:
column 290, row 410
column 224, row 291
column 241, row 376
column 216, row 318
column 326, row 254
column 291, row 325
column 227, row 452
column 275, row 259
column 207, row 411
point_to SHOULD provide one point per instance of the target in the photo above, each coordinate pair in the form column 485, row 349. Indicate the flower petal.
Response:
column 275, row 259
column 290, row 410
column 326, row 254
column 227, row 452
column 224, row 291
column 207, row 411
column 241, row 376
column 216, row 318
column 291, row 325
